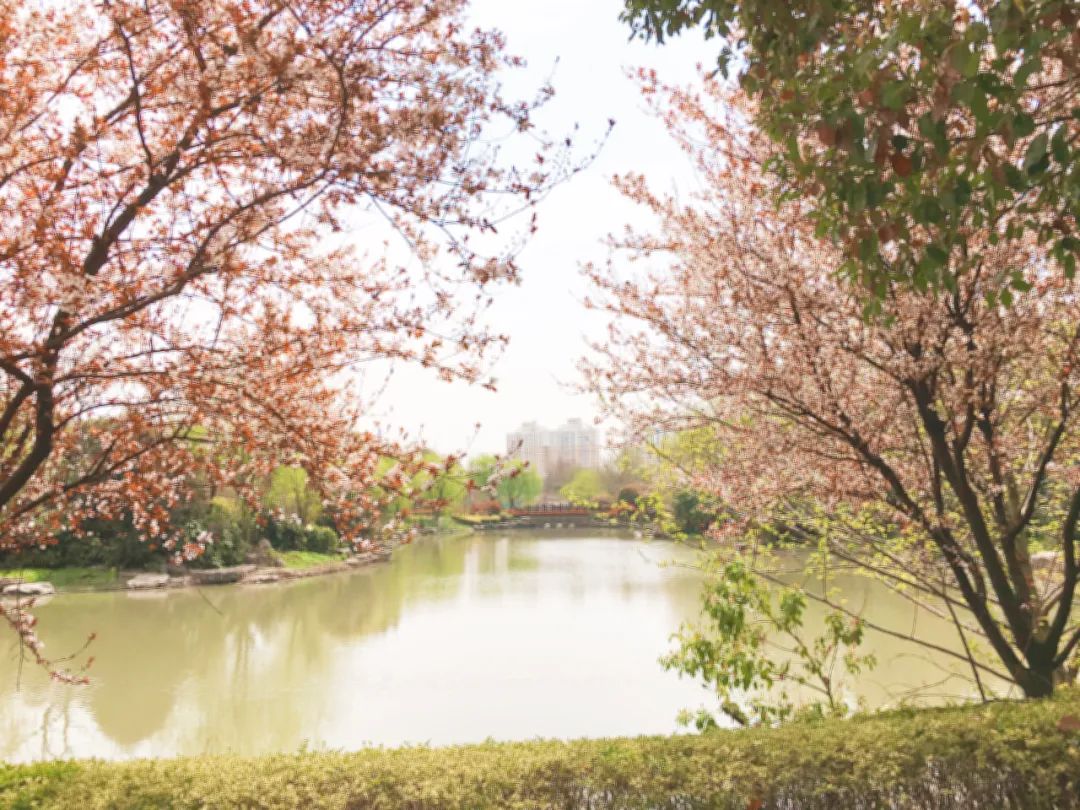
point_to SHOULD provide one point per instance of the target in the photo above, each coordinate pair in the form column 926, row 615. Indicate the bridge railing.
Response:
column 552, row 510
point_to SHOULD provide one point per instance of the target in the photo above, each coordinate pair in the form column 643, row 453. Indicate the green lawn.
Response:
column 307, row 559
column 65, row 578
column 1024, row 756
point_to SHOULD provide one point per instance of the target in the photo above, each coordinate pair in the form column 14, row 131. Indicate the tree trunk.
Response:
column 1038, row 680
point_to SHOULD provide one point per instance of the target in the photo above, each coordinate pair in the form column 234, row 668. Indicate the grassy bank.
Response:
column 1000, row 756
column 76, row 579
column 307, row 559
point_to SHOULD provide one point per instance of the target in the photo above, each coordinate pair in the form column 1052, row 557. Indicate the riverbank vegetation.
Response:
column 1024, row 756
column 284, row 510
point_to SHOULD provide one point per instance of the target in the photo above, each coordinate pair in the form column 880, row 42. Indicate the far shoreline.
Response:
column 95, row 579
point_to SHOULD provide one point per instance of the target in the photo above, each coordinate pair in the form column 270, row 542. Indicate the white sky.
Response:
column 544, row 317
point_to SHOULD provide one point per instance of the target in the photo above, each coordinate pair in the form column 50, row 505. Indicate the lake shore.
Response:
column 294, row 565
column 90, row 580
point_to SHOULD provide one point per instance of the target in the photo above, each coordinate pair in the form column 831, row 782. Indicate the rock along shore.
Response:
column 249, row 574
column 192, row 578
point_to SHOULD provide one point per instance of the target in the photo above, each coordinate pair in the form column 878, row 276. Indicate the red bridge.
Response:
column 552, row 510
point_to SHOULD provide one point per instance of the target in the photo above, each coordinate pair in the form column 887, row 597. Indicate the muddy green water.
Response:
column 553, row 634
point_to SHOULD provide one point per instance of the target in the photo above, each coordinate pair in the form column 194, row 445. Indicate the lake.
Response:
column 457, row 639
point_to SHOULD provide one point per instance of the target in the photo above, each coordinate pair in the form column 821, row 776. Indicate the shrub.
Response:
column 227, row 549
column 320, row 539
column 691, row 514
column 1004, row 755
column 285, row 534
column 110, row 544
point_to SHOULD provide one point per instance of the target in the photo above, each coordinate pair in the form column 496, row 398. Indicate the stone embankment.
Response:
column 250, row 574
column 15, row 588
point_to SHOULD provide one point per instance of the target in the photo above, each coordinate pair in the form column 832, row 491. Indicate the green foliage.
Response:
column 288, row 534
column 232, row 518
column 584, row 488
column 285, row 535
column 65, row 579
column 225, row 551
column 520, row 487
column 868, row 130
column 320, row 539
column 1004, row 755
column 692, row 512
column 752, row 651
column 481, row 469
column 233, row 526
column 308, row 559
column 447, row 489
column 104, row 543
column 290, row 492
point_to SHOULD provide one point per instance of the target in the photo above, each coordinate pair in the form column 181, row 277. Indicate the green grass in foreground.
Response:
column 307, row 559
column 65, row 578
column 1006, row 755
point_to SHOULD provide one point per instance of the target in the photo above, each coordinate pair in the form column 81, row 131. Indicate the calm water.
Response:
column 455, row 640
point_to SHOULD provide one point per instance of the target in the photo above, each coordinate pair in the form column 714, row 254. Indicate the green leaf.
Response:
column 928, row 210
column 962, row 92
column 965, row 61
column 1060, row 147
column 979, row 108
column 856, row 197
column 1036, row 151
column 962, row 191
column 1024, row 72
column 1014, row 177
column 936, row 255
column 1023, row 125
column 895, row 94
column 934, row 131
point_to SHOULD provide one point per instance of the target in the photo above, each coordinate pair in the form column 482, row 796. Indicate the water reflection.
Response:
column 455, row 640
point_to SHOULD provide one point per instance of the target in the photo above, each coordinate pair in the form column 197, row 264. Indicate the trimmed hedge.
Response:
column 1006, row 755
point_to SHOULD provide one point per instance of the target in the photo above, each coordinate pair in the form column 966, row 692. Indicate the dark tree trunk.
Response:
column 1037, row 680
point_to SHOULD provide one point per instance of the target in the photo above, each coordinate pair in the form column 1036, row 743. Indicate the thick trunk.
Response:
column 1037, row 680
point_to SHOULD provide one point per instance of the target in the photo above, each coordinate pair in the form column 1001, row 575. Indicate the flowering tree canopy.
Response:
column 169, row 174
column 909, row 123
column 948, row 421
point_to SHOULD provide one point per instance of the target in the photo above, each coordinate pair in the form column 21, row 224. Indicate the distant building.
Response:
column 574, row 444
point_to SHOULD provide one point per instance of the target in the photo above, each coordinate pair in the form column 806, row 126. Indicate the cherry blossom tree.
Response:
column 177, row 295
column 909, row 123
column 934, row 446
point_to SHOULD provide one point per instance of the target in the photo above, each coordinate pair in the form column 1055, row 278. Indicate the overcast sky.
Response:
column 585, row 51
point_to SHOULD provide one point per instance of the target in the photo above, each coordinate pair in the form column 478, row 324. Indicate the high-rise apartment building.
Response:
column 574, row 444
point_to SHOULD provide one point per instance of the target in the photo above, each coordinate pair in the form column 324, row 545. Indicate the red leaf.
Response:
column 1069, row 724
